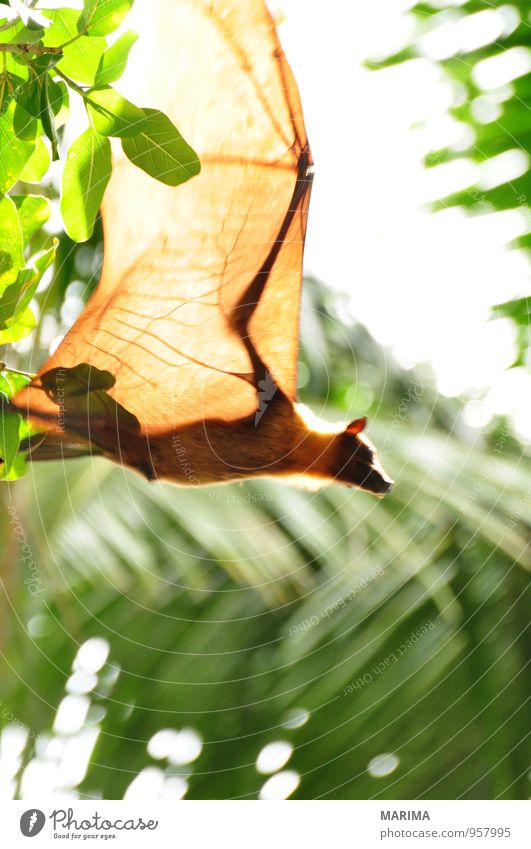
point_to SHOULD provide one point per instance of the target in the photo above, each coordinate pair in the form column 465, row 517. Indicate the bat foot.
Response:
column 147, row 471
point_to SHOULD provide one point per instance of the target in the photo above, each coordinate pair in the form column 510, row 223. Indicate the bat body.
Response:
column 183, row 364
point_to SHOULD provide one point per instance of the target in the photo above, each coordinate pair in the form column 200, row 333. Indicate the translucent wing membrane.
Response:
column 200, row 290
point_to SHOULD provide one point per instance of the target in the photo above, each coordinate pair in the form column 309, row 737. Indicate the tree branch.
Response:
column 36, row 49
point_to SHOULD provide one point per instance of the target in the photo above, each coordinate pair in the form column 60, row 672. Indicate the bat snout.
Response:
column 376, row 481
column 360, row 467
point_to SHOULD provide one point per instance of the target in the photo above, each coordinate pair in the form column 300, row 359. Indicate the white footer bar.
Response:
column 270, row 825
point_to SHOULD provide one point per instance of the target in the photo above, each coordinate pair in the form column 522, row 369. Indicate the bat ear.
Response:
column 356, row 426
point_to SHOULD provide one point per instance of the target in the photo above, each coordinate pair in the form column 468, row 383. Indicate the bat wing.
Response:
column 200, row 290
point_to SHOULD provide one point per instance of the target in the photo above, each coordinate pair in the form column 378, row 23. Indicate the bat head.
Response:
column 356, row 460
column 339, row 454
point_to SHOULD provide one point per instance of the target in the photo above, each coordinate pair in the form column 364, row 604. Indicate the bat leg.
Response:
column 147, row 471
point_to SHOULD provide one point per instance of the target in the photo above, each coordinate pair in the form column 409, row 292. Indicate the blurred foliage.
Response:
column 498, row 116
column 227, row 608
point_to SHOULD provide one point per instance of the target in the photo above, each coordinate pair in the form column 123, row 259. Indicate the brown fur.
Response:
column 282, row 445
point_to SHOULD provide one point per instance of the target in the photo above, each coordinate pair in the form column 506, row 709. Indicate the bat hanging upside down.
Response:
column 183, row 364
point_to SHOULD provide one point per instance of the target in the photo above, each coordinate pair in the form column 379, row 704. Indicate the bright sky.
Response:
column 422, row 283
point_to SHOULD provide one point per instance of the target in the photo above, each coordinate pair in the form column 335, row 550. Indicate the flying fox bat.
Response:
column 183, row 364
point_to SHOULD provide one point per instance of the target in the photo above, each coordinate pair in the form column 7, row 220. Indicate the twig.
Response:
column 5, row 367
column 70, row 82
column 36, row 49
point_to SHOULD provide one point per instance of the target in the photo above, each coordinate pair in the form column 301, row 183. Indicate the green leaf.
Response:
column 26, row 126
column 33, row 212
column 81, row 58
column 59, row 100
column 18, row 33
column 17, row 83
column 57, row 91
column 45, row 259
column 15, row 300
column 9, row 305
column 14, row 153
column 18, row 329
column 100, row 17
column 13, row 428
column 18, row 468
column 44, row 63
column 62, row 28
column 114, row 60
column 28, row 95
column 86, row 387
column 28, row 428
column 85, row 176
column 47, row 117
column 78, row 381
column 9, row 438
column 11, row 382
column 16, row 318
column 112, row 114
column 11, row 244
column 160, row 151
column 14, row 68
column 518, row 309
column 37, row 165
